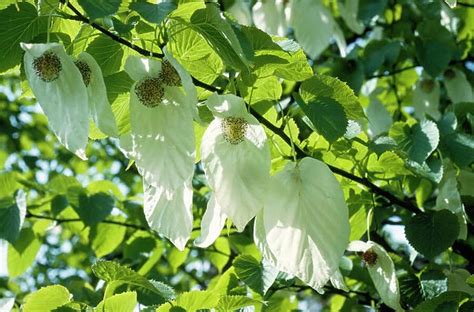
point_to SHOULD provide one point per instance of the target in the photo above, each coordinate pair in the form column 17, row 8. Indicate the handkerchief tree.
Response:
column 236, row 155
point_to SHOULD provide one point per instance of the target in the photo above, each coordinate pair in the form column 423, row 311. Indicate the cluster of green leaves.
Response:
column 59, row 216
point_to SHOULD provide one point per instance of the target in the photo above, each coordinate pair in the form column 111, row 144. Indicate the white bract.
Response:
column 270, row 17
column 450, row 199
column 99, row 107
column 426, row 98
column 348, row 10
column 304, row 227
column 314, row 27
column 457, row 86
column 236, row 160
column 241, row 11
column 162, row 105
column 381, row 270
column 57, row 84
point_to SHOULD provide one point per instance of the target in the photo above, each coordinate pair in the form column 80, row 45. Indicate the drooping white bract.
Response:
column 381, row 270
column 304, row 227
column 426, row 96
column 58, row 86
column 99, row 107
column 349, row 10
column 457, row 86
column 270, row 17
column 314, row 27
column 162, row 105
column 236, row 160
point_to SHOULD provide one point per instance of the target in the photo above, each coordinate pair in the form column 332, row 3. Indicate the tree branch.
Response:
column 59, row 221
column 392, row 73
column 81, row 18
column 300, row 153
column 466, row 5
column 364, row 181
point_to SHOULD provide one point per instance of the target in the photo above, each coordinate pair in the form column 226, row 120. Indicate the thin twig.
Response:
column 299, row 152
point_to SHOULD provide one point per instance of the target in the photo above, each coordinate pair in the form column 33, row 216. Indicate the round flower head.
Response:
column 58, row 86
column 236, row 161
column 162, row 143
column 304, row 227
column 99, row 106
column 381, row 270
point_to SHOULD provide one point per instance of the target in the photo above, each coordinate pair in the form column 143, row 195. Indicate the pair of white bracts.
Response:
column 67, row 101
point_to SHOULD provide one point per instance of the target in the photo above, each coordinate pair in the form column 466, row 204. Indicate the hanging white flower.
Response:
column 314, row 27
column 457, row 86
column 270, row 16
column 304, row 227
column 349, row 10
column 381, row 270
column 241, row 11
column 236, row 160
column 58, row 86
column 99, row 107
column 162, row 105
column 426, row 98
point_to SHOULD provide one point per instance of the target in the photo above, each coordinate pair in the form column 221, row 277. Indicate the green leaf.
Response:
column 123, row 302
column 458, row 280
column 152, row 12
column 254, row 274
column 197, row 300
column 418, row 141
column 46, row 299
column 105, row 237
column 232, row 303
column 61, row 183
column 410, row 289
column 266, row 89
column 8, row 184
column 368, row 9
column 321, row 86
column 271, row 58
column 459, row 147
column 219, row 34
column 99, row 8
column 22, row 253
column 327, row 116
column 12, row 215
column 118, row 88
column 433, row 304
column 435, row 47
column 219, row 259
column 433, row 232
column 176, row 258
column 58, row 204
column 18, row 26
column 378, row 53
column 116, row 275
column 196, row 55
column 108, row 53
column 95, row 208
column 433, row 283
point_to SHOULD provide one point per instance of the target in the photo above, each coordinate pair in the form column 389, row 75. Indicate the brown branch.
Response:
column 364, row 181
column 81, row 18
column 300, row 153
column 392, row 73
column 60, row 220
column 464, row 4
